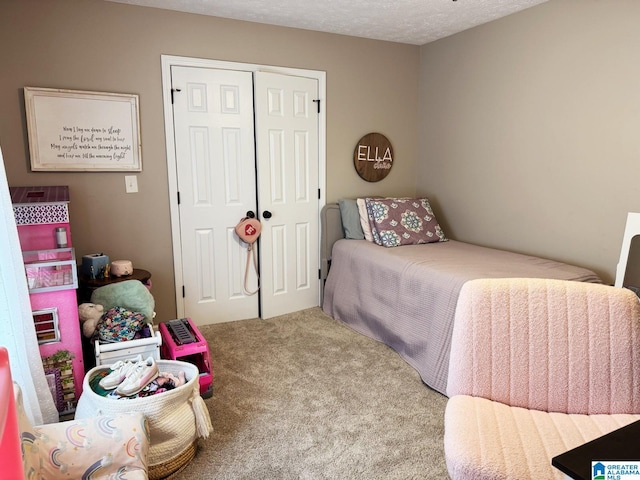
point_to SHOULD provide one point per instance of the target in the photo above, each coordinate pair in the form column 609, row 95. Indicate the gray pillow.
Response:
column 350, row 219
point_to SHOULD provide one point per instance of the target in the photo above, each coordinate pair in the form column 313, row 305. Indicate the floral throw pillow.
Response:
column 403, row 221
column 119, row 324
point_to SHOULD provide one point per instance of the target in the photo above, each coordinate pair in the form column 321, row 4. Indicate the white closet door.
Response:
column 215, row 163
column 287, row 165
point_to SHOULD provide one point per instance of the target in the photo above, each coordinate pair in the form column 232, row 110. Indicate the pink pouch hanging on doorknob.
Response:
column 248, row 229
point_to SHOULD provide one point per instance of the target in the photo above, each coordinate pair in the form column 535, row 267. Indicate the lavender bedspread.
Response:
column 406, row 296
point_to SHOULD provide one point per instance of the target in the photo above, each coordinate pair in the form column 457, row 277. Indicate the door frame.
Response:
column 168, row 61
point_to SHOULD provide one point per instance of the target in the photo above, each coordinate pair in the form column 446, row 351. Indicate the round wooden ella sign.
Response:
column 373, row 157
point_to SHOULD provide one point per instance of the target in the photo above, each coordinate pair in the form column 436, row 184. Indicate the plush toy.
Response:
column 90, row 314
column 129, row 294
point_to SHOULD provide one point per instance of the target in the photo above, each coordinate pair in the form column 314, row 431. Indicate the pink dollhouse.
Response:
column 42, row 218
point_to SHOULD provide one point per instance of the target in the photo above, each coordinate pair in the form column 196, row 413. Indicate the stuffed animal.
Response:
column 130, row 294
column 90, row 314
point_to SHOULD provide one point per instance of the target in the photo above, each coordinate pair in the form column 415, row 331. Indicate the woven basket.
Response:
column 177, row 418
column 169, row 469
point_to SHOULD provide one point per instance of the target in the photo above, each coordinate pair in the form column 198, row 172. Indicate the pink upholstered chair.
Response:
column 537, row 368
column 100, row 447
column 9, row 432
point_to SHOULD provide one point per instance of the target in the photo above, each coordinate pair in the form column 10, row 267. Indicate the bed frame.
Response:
column 331, row 226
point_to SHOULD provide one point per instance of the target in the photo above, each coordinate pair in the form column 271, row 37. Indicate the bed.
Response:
column 405, row 297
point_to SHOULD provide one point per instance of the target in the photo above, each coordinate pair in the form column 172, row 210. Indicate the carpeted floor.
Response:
column 302, row 396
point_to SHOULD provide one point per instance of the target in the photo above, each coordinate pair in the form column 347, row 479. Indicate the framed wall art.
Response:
column 73, row 130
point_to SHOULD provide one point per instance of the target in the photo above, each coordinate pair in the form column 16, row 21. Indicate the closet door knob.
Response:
column 266, row 214
column 250, row 214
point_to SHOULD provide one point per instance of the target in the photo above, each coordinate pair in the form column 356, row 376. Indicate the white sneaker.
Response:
column 119, row 372
column 138, row 378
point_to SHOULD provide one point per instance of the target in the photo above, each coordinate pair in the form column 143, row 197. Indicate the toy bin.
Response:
column 110, row 353
column 181, row 340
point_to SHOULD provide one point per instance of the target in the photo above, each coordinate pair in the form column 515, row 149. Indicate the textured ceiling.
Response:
column 406, row 21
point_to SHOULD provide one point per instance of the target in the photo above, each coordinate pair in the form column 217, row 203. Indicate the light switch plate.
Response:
column 131, row 183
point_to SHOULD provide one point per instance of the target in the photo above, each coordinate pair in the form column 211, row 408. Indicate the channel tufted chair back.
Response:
column 537, row 367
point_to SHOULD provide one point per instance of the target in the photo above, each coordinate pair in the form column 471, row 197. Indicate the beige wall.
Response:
column 103, row 46
column 530, row 130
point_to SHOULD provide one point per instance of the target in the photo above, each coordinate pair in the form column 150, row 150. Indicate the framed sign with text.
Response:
column 373, row 157
column 72, row 130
